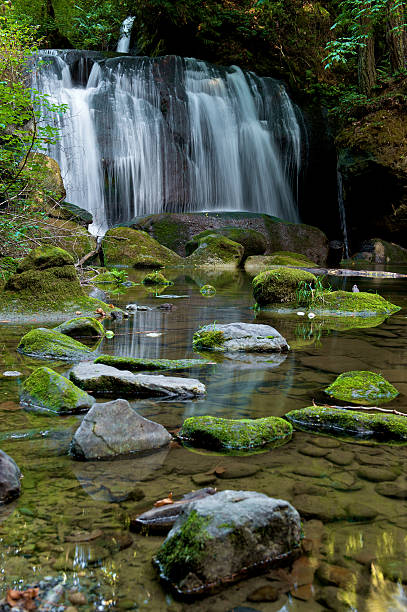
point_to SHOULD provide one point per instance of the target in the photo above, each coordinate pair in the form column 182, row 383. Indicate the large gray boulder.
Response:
column 233, row 337
column 114, row 428
column 106, row 380
column 220, row 538
column 10, row 475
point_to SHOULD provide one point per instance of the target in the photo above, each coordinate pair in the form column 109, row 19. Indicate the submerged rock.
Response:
column 361, row 387
column 162, row 518
column 81, row 326
column 279, row 285
column 216, row 251
column 343, row 422
column 10, row 475
column 236, row 434
column 253, row 243
column 224, row 537
column 232, row 337
column 45, row 343
column 105, row 380
column 257, row 264
column 114, row 429
column 47, row 389
column 124, row 245
column 135, row 364
column 46, row 280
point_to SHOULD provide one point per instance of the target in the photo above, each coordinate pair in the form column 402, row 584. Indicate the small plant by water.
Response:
column 309, row 294
column 120, row 276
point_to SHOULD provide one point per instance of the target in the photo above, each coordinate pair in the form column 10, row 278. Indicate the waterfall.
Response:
column 342, row 213
column 125, row 35
column 147, row 135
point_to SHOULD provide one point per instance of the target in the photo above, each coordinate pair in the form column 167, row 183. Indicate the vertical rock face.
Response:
column 9, row 478
column 114, row 428
column 220, row 538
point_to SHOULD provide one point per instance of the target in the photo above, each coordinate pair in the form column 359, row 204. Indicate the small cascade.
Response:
column 149, row 135
column 342, row 212
column 123, row 45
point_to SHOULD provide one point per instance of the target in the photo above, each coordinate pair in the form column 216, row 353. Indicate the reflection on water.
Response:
column 352, row 496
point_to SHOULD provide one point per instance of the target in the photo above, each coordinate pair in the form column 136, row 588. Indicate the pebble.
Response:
column 12, row 373
column 340, row 457
column 203, row 480
column 239, row 471
column 264, row 593
column 77, row 598
column 312, row 451
column 325, row 442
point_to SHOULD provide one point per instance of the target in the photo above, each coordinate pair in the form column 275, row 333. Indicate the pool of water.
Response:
column 73, row 517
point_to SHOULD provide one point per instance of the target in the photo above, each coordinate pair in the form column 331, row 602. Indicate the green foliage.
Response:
column 311, row 293
column 119, row 276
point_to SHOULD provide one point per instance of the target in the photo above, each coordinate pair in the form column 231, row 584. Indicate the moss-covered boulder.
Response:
column 257, row 264
column 45, row 343
column 8, row 267
column 361, row 387
column 280, row 285
column 343, row 422
column 237, row 434
column 155, row 278
column 81, row 326
column 129, row 247
column 381, row 252
column 139, row 364
column 44, row 388
column 253, row 242
column 221, row 538
column 46, row 280
column 296, row 238
column 361, row 303
column 216, row 251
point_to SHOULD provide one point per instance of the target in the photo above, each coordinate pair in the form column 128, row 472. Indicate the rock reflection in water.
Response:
column 113, row 481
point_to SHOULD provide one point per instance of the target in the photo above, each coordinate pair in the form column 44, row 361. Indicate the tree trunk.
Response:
column 395, row 35
column 366, row 59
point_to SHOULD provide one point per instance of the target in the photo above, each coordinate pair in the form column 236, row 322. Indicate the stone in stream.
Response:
column 81, row 326
column 10, row 475
column 362, row 387
column 249, row 337
column 238, row 434
column 45, row 343
column 345, row 422
column 279, row 285
column 48, row 389
column 114, row 428
column 135, row 364
column 105, row 380
column 162, row 518
column 224, row 537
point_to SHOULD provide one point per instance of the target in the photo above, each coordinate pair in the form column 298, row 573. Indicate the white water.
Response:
column 143, row 136
column 125, row 35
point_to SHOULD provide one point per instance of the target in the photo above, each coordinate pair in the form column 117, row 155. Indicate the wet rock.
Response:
column 342, row 422
column 360, row 512
column 12, row 373
column 375, row 474
column 254, row 243
column 81, row 326
column 216, row 251
column 257, row 264
column 104, row 380
column 162, row 518
column 218, row 433
column 345, row 481
column 362, row 387
column 135, row 364
column 301, row 488
column 217, row 539
column 319, row 507
column 239, row 470
column 77, row 598
column 325, row 442
column 313, row 451
column 124, row 245
column 137, row 307
column 232, row 337
column 264, row 593
column 339, row 457
column 155, row 278
column 331, row 598
column 114, row 428
column 279, row 285
column 203, row 480
column 9, row 479
column 45, row 343
column 391, row 489
column 309, row 471
column 335, row 575
column 48, row 389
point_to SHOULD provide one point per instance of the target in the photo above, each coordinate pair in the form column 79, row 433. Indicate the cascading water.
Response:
column 342, row 213
column 144, row 136
column 123, row 45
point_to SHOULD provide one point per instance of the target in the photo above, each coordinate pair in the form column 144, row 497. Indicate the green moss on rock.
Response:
column 130, row 247
column 280, row 285
column 47, row 389
column 207, row 290
column 45, row 343
column 237, row 434
column 81, row 326
column 216, row 250
column 362, row 387
column 45, row 257
column 137, row 364
column 361, row 303
column 208, row 340
column 253, row 242
column 156, row 278
column 342, row 422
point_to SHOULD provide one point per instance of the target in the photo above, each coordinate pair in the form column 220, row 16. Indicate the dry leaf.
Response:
column 110, row 305
column 164, row 502
column 100, row 312
column 217, row 470
column 22, row 598
column 78, row 312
